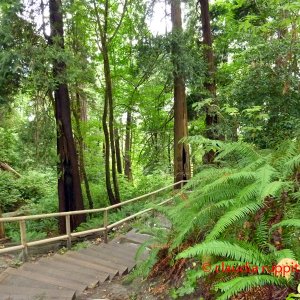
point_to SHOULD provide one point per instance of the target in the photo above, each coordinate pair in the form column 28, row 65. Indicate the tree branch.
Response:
column 120, row 22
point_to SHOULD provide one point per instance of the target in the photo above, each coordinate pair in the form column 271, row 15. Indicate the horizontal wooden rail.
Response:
column 69, row 235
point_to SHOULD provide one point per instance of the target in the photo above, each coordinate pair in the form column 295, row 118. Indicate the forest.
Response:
column 105, row 100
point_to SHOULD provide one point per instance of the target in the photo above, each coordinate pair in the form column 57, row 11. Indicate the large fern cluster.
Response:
column 233, row 214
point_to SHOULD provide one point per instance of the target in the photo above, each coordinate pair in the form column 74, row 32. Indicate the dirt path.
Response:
column 117, row 290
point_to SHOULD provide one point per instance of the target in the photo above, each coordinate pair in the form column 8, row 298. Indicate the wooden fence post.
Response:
column 23, row 239
column 68, row 232
column 105, row 224
column 2, row 230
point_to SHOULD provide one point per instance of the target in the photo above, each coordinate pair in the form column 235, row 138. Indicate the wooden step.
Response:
column 134, row 237
column 94, row 261
column 56, row 273
column 97, row 258
column 117, row 255
column 15, row 281
column 92, row 275
column 35, row 293
column 79, row 262
column 64, row 283
column 109, row 256
column 127, row 249
column 115, row 250
column 3, row 275
column 10, row 296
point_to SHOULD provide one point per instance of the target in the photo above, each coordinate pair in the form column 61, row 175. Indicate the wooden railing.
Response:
column 69, row 235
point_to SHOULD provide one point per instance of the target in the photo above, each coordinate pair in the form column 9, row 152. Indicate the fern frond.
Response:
column 225, row 249
column 296, row 196
column 274, row 188
column 284, row 253
column 266, row 174
column 259, row 163
column 248, row 193
column 287, row 223
column 190, row 283
column 262, row 234
column 239, row 177
column 239, row 284
column 241, row 149
column 231, row 217
column 292, row 165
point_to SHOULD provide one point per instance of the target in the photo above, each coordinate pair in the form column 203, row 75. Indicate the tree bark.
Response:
column 211, row 118
column 118, row 151
column 109, row 95
column 69, row 188
column 77, row 116
column 106, row 150
column 181, row 149
column 127, row 156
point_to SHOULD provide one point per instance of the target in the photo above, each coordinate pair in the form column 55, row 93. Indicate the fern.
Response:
column 296, row 196
column 244, row 151
column 274, row 188
column 230, row 217
column 292, row 165
column 284, row 253
column 249, row 182
column 226, row 249
column 288, row 223
column 262, row 234
column 239, row 284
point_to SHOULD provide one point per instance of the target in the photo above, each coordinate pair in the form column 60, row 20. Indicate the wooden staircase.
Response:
column 62, row 277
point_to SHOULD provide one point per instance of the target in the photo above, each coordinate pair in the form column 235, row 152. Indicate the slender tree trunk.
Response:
column 77, row 116
column 127, row 156
column 106, row 149
column 102, row 41
column 211, row 118
column 69, row 188
column 169, row 152
column 181, row 149
column 109, row 94
column 118, row 151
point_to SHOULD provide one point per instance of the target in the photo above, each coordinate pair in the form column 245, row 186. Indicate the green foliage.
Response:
column 10, row 196
column 33, row 193
column 9, row 145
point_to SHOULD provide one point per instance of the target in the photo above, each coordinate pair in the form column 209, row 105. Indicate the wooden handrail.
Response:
column 86, row 211
column 68, row 236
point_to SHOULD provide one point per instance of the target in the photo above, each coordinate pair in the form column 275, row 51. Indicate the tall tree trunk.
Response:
column 69, row 188
column 211, row 118
column 106, row 150
column 127, row 155
column 109, row 94
column 118, row 151
column 77, row 116
column 181, row 149
column 102, row 41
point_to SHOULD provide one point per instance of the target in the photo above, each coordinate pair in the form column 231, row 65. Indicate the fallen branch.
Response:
column 6, row 167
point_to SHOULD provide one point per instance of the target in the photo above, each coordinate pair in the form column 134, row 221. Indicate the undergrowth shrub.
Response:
column 33, row 193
